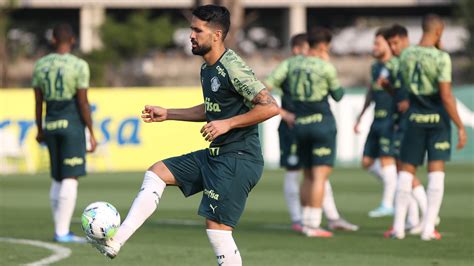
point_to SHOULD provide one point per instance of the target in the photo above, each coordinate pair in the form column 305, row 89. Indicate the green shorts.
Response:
column 225, row 180
column 399, row 131
column 316, row 140
column 379, row 141
column 419, row 140
column 288, row 148
column 66, row 143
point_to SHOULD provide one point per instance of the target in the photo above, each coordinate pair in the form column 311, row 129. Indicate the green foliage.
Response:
column 137, row 35
column 123, row 40
column 466, row 8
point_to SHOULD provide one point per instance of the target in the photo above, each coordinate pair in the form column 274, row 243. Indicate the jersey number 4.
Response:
column 58, row 88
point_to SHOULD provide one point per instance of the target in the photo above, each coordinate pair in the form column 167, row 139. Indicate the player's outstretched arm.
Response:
column 265, row 107
column 449, row 103
column 39, row 114
column 160, row 114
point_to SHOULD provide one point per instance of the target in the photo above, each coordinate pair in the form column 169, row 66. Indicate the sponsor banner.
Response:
column 125, row 142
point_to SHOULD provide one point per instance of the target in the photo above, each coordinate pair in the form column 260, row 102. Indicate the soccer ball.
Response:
column 100, row 220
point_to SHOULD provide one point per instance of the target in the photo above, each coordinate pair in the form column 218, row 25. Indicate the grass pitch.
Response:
column 175, row 235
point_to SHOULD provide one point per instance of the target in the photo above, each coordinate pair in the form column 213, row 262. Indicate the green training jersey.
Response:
column 281, row 87
column 384, row 104
column 310, row 81
column 422, row 69
column 59, row 76
column 229, row 86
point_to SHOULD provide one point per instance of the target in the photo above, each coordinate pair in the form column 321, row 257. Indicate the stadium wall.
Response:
column 127, row 144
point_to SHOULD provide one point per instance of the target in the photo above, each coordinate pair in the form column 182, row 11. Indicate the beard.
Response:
column 200, row 50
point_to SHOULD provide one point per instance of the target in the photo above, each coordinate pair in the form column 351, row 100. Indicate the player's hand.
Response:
column 40, row 137
column 384, row 83
column 93, row 143
column 289, row 119
column 214, row 129
column 403, row 106
column 356, row 127
column 154, row 114
column 462, row 138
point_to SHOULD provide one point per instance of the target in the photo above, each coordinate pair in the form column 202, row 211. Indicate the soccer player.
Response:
column 234, row 103
column 288, row 147
column 311, row 79
column 61, row 80
column 397, row 37
column 379, row 140
column 426, row 76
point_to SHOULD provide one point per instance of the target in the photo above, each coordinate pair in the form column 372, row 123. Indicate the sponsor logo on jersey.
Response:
column 425, row 118
column 215, row 84
column 214, row 151
column 57, row 124
column 305, row 120
column 74, row 161
column 442, row 145
column 211, row 194
column 323, row 151
column 243, row 87
column 381, row 113
column 220, row 71
column 210, row 106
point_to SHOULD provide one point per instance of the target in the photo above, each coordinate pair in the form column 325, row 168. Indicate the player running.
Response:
column 288, row 146
column 61, row 80
column 426, row 76
column 378, row 145
column 234, row 103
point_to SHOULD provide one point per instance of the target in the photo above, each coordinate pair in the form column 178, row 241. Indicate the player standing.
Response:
column 379, row 140
column 426, row 76
column 61, row 80
column 234, row 103
column 288, row 146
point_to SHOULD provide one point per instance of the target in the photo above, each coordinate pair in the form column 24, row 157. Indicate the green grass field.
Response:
column 175, row 235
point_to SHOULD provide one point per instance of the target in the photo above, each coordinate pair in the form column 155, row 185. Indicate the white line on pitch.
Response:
column 59, row 252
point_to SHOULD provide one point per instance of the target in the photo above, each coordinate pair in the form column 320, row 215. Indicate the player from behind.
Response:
column 378, row 145
column 278, row 79
column 61, row 80
column 426, row 76
column 311, row 80
column 397, row 37
column 234, row 103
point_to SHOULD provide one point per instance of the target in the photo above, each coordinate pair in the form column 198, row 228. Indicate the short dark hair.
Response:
column 63, row 33
column 298, row 39
column 430, row 22
column 396, row 30
column 216, row 15
column 381, row 32
column 319, row 35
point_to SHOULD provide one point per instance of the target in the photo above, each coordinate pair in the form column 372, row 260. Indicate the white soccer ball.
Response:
column 100, row 220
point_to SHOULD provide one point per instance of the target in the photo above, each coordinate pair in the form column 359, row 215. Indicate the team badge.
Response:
column 215, row 84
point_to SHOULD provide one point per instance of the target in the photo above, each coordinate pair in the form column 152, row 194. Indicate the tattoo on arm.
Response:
column 264, row 98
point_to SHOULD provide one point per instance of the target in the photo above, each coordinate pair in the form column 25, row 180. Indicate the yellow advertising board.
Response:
column 125, row 142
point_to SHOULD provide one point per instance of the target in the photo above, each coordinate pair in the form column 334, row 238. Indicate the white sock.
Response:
column 413, row 218
column 329, row 205
column 419, row 194
column 291, row 190
column 435, row 198
column 54, row 198
column 143, row 206
column 402, row 201
column 66, row 203
column 390, row 185
column 312, row 217
column 224, row 247
column 376, row 169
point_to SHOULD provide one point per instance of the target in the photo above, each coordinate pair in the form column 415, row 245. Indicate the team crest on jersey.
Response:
column 215, row 84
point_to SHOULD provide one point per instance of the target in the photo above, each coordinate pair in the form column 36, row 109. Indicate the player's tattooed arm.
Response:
column 264, row 98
